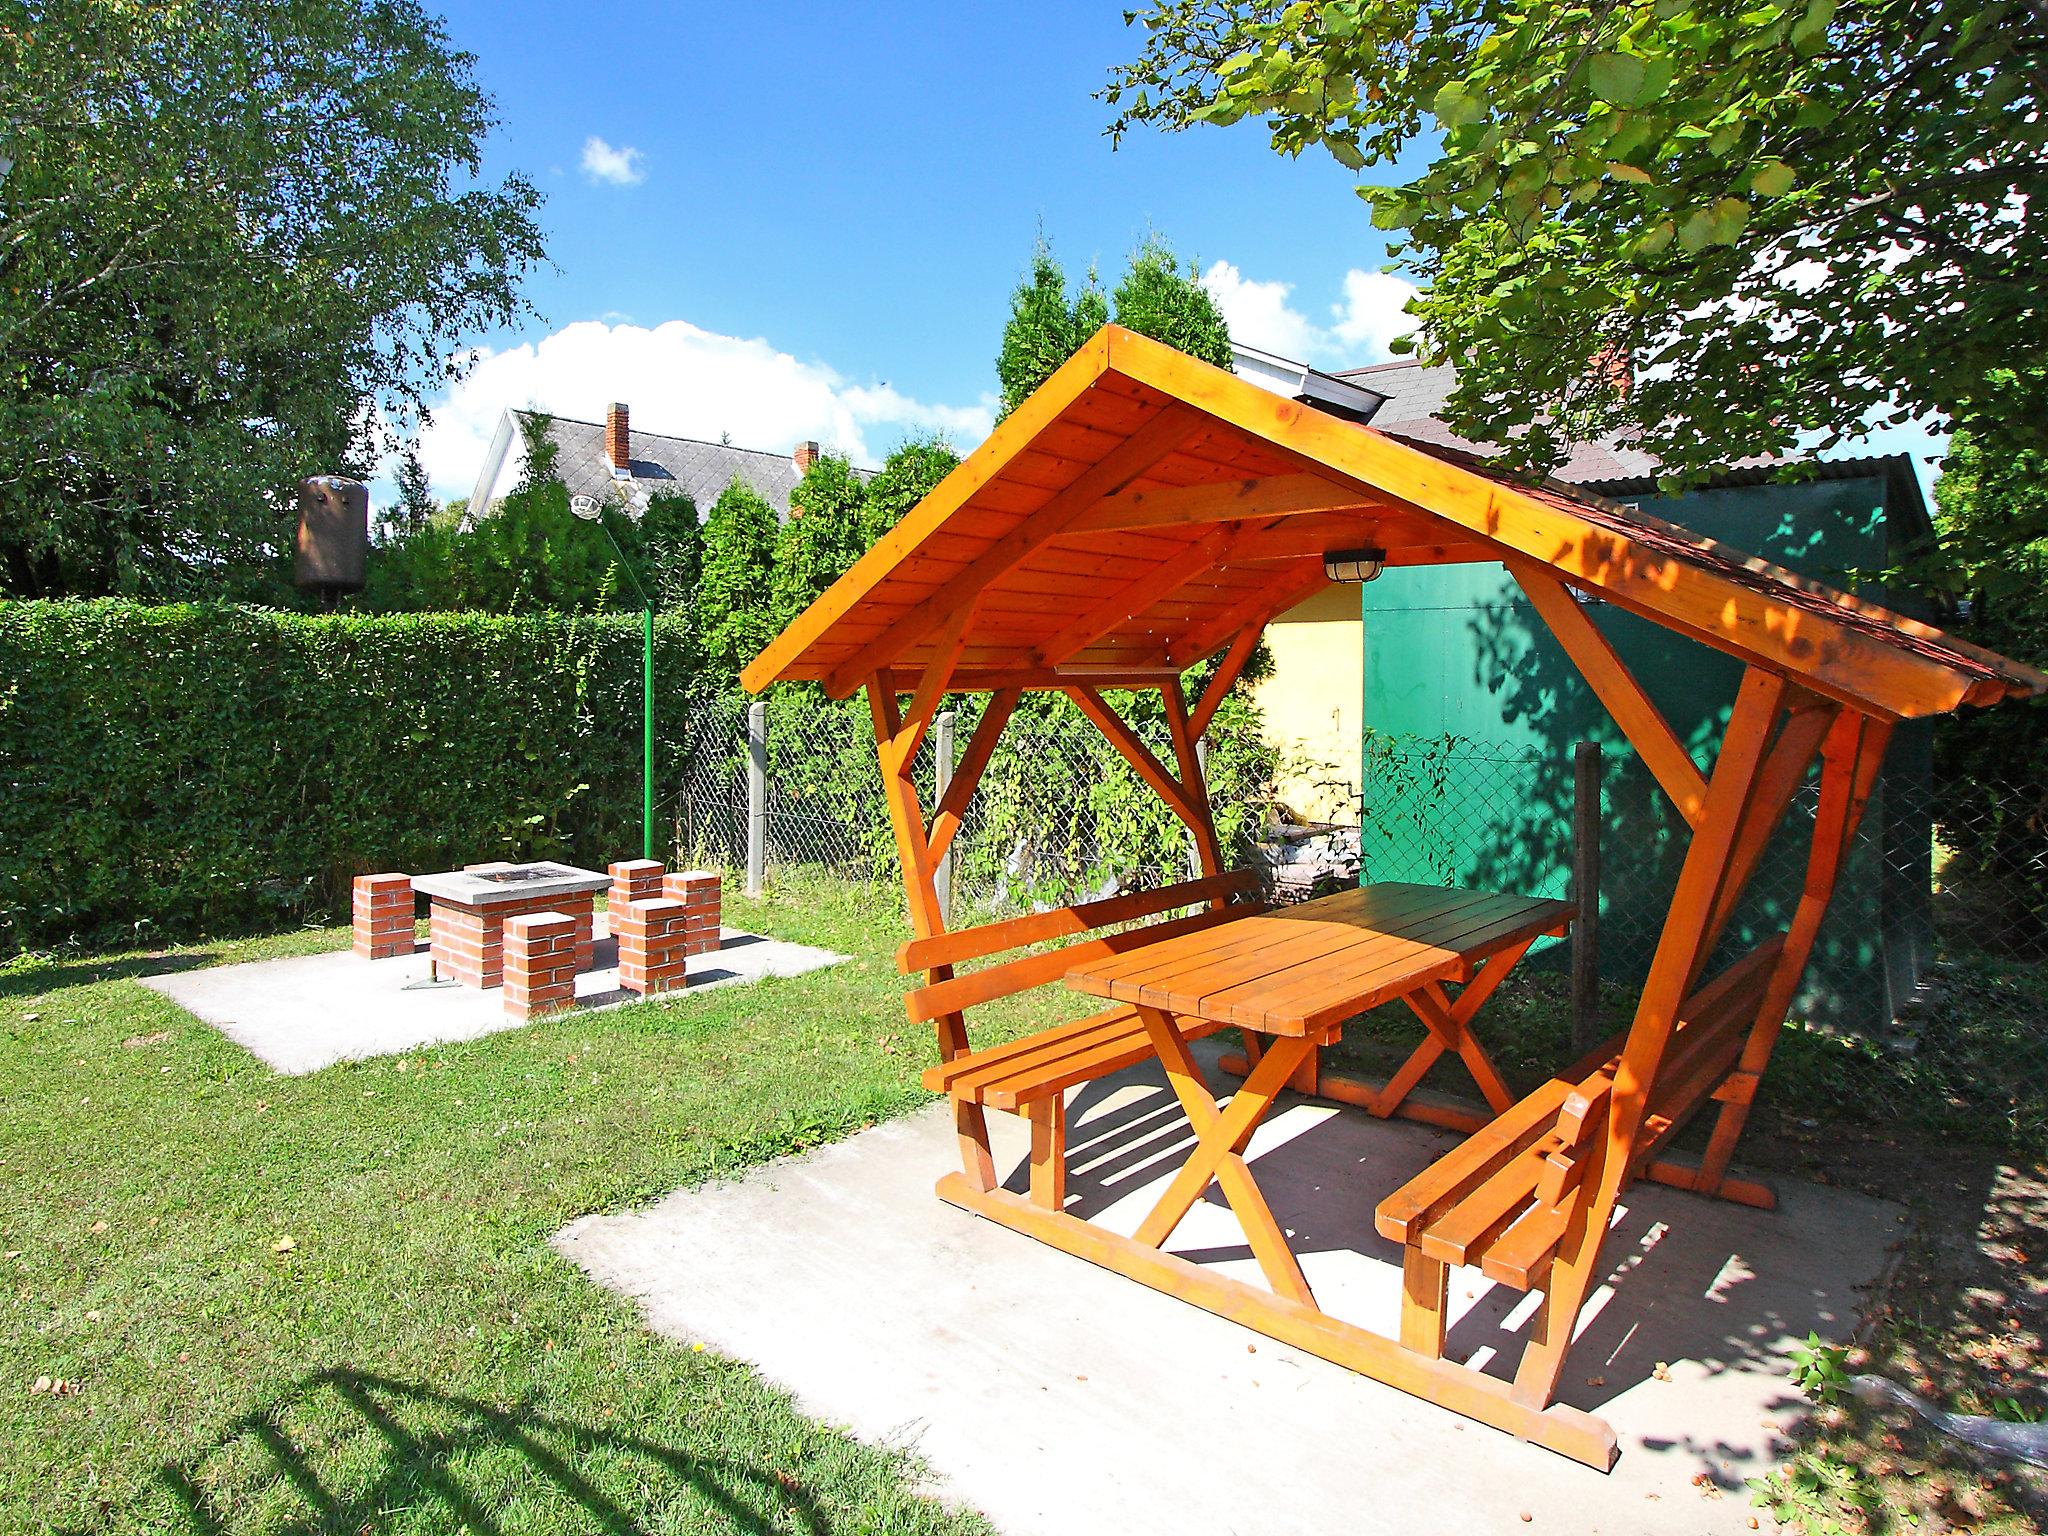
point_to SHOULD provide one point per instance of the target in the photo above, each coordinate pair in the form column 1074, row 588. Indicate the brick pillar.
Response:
column 634, row 880
column 700, row 891
column 540, row 963
column 653, row 944
column 381, row 907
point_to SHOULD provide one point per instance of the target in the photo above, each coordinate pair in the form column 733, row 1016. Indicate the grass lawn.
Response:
column 327, row 1302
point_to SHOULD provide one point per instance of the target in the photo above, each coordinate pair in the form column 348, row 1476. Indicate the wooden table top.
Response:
column 1300, row 969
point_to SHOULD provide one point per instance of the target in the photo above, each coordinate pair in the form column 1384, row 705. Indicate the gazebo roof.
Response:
column 1142, row 509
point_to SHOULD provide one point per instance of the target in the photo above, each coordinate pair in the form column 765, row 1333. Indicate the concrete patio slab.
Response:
column 1061, row 1398
column 311, row 1011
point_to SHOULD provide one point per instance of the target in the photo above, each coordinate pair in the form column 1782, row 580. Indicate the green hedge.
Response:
column 202, row 769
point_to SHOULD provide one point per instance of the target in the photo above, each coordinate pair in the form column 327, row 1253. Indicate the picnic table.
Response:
column 1290, row 979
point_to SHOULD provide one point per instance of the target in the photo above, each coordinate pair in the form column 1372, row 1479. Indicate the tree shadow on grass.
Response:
column 37, row 977
column 420, row 1443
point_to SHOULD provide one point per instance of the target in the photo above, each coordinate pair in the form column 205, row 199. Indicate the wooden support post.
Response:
column 942, row 780
column 1849, row 762
column 1586, row 1028
column 1673, row 970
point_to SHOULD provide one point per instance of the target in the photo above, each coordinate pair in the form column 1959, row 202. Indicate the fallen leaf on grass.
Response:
column 99, row 1226
column 136, row 1042
column 284, row 1244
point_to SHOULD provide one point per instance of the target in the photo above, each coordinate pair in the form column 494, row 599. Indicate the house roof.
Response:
column 1416, row 393
column 660, row 464
column 1141, row 510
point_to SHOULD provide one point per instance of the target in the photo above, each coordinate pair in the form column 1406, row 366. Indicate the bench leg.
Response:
column 1425, row 1282
column 970, row 1126
column 1049, row 1152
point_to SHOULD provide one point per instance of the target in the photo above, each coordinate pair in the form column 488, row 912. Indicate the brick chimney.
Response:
column 805, row 456
column 618, row 437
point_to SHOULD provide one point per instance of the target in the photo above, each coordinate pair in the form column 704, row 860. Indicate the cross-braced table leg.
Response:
column 1449, row 1021
column 1221, row 1137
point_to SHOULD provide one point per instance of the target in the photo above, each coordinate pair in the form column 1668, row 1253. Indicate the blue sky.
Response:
column 859, row 188
column 782, row 222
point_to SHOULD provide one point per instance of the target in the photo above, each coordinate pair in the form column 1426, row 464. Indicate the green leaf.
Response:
column 1346, row 153
column 1457, row 105
column 1618, row 78
column 1772, row 178
column 1621, row 170
column 1810, row 32
column 1655, row 239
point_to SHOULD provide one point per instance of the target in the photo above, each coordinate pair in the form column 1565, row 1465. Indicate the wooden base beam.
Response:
column 1570, row 1432
column 1343, row 1088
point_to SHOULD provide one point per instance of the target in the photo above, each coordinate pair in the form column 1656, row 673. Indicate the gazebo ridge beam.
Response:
column 1223, row 501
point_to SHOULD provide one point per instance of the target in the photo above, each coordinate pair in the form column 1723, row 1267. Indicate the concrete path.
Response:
column 310, row 1011
column 1062, row 1399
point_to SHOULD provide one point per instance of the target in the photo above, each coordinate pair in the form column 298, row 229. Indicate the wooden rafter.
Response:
column 1160, row 436
column 1289, row 585
column 1135, row 596
column 1616, row 687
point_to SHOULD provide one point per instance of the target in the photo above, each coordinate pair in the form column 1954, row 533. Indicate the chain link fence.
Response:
column 1925, row 1003
column 1927, row 995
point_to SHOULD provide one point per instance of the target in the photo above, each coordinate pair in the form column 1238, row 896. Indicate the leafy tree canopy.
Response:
column 1156, row 298
column 239, row 243
column 532, row 554
column 1045, row 327
column 1792, row 216
column 734, row 616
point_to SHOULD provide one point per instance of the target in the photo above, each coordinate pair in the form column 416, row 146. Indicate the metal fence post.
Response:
column 1586, row 1030
column 942, row 748
column 757, row 796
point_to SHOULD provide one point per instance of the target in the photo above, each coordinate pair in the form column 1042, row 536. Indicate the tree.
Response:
column 239, row 242
column 1790, row 217
column 826, row 531
column 906, row 477
column 1157, row 299
column 671, row 540
column 1045, row 327
column 416, row 504
column 530, row 554
column 734, row 619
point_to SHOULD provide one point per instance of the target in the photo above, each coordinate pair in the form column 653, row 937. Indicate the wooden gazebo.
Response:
column 1142, row 512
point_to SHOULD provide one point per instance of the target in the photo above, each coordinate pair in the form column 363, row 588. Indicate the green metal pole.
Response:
column 646, row 733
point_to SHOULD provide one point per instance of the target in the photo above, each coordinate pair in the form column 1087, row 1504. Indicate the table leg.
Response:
column 1221, row 1139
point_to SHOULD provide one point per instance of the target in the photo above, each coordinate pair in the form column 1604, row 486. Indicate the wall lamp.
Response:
column 1354, row 567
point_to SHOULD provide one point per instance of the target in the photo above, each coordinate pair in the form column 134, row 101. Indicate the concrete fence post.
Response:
column 1194, row 844
column 942, row 751
column 1586, row 1027
column 757, row 797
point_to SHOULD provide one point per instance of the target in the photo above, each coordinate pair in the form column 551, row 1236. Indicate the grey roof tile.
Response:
column 661, row 463
column 1415, row 400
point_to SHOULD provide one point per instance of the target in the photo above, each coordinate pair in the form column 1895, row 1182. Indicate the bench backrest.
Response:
column 947, row 994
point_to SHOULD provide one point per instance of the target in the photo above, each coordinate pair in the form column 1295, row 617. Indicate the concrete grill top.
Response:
column 490, row 885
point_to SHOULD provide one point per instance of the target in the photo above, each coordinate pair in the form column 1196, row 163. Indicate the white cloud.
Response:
column 621, row 167
column 681, row 379
column 1361, row 325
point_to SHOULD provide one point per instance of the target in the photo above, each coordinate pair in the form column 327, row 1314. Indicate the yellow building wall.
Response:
column 1314, row 704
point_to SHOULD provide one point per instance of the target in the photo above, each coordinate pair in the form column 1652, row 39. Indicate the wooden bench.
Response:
column 1502, row 1199
column 1030, row 1076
